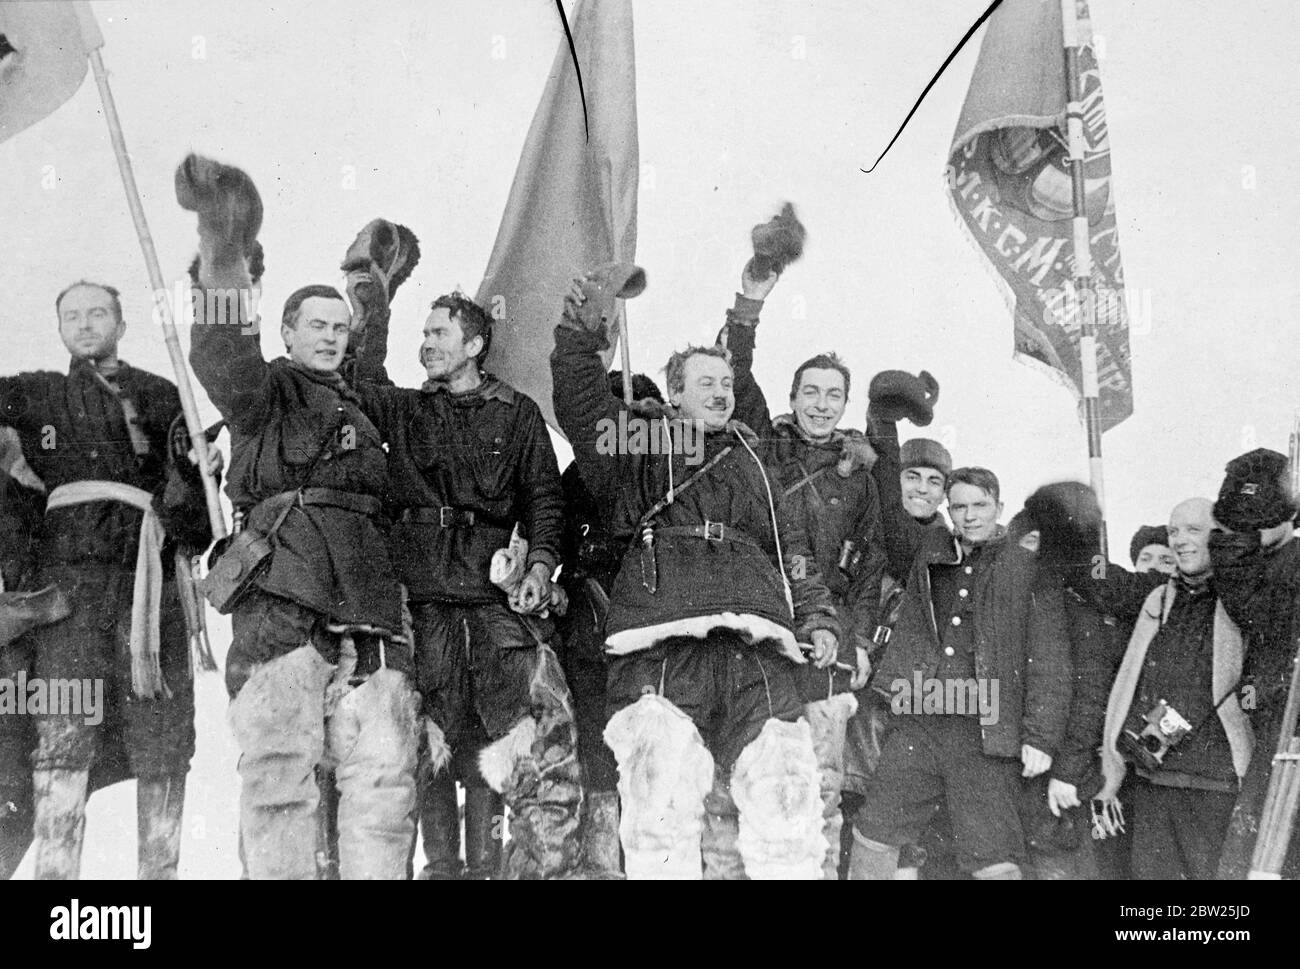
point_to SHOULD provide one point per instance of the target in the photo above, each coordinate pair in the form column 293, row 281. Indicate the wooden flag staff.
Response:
column 190, row 408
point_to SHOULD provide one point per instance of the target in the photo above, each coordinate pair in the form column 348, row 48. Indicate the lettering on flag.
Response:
column 1008, row 178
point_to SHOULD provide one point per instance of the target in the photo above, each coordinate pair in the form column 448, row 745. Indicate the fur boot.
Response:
column 777, row 788
column 664, row 773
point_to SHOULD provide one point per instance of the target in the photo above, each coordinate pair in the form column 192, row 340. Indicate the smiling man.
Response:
column 1183, row 664
column 471, row 459
column 717, row 588
column 318, row 672
column 975, row 609
column 825, row 474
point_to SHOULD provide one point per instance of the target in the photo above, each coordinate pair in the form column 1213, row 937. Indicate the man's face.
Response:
column 321, row 335
column 444, row 351
column 706, row 393
column 922, row 491
column 1190, row 524
column 819, row 402
column 1161, row 558
column 88, row 323
column 974, row 513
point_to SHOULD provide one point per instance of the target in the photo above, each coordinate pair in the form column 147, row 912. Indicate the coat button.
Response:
column 835, row 501
column 968, row 570
column 956, row 620
column 948, row 651
column 963, row 592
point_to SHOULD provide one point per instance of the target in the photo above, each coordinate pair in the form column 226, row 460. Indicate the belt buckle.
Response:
column 446, row 520
column 713, row 531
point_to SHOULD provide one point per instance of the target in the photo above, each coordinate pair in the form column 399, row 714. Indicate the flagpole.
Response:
column 1085, row 303
column 189, row 407
column 626, row 352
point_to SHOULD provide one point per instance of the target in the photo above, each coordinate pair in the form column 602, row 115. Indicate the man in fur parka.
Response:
column 825, row 477
column 717, row 590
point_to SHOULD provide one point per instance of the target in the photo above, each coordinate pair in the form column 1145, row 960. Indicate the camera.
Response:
column 1162, row 728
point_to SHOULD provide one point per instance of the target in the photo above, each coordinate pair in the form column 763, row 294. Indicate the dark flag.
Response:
column 1008, row 177
column 572, row 206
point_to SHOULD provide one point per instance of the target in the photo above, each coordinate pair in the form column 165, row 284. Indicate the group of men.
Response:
column 766, row 657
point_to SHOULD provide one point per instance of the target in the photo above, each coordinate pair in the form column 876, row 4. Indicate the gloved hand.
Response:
column 230, row 217
column 856, row 454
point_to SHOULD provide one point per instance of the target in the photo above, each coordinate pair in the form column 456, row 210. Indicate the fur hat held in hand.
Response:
column 1256, row 492
column 1068, row 517
column 604, row 285
column 230, row 216
column 380, row 259
column 895, row 394
column 777, row 243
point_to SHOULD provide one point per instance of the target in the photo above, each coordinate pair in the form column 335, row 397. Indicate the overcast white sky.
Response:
column 422, row 108
column 416, row 111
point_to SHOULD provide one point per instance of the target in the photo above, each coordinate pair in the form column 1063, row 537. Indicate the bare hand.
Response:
column 863, row 672
column 216, row 460
column 1036, row 762
column 1060, row 796
column 752, row 288
column 535, row 590
column 825, row 648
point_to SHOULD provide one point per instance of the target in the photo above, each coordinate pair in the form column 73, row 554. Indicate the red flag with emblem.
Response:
column 1009, row 179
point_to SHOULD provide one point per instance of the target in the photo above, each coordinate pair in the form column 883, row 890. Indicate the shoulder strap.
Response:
column 807, row 479
column 139, row 442
column 664, row 502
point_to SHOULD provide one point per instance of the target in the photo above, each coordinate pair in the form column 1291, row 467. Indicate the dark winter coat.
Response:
column 21, row 509
column 72, row 428
column 486, row 452
column 331, row 560
column 1020, row 641
column 699, row 580
column 831, row 508
column 1096, row 649
column 1261, row 592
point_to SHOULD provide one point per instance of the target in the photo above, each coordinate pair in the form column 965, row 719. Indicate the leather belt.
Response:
column 367, row 505
column 710, row 532
column 446, row 516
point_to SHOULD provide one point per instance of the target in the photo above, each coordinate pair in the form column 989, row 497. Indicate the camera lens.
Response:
column 1152, row 744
